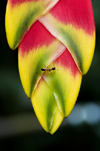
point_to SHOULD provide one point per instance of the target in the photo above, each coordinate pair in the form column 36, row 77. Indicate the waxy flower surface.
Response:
column 56, row 40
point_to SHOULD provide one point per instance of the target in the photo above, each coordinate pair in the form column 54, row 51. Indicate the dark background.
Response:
column 19, row 127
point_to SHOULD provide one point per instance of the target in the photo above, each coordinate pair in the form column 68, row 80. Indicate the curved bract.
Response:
column 72, row 22
column 55, row 40
column 20, row 15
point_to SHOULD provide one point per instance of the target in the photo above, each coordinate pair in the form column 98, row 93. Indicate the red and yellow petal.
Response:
column 72, row 22
column 21, row 14
column 65, row 82
column 45, row 107
column 37, row 50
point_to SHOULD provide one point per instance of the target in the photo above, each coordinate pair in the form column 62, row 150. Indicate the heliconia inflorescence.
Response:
column 55, row 40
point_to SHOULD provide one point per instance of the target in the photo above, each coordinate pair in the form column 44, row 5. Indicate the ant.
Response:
column 50, row 69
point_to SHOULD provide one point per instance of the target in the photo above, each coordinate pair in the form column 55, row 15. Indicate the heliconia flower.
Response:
column 56, row 40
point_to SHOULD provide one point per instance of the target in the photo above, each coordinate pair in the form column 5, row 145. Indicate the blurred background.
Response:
column 19, row 127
